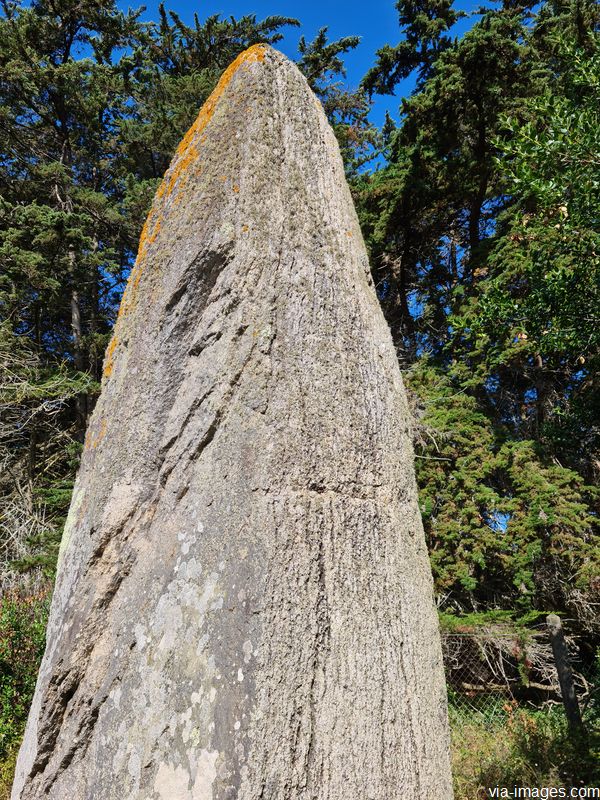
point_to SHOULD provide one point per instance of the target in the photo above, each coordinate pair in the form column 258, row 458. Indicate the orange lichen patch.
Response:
column 180, row 167
column 93, row 440
column 155, row 231
column 161, row 190
column 101, row 434
column 187, row 151
column 236, row 188
column 149, row 233
column 109, row 358
column 132, row 286
column 349, row 234
column 186, row 155
column 245, row 229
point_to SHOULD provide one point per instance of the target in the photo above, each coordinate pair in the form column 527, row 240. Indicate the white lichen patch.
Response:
column 174, row 618
column 115, row 696
column 202, row 642
column 172, row 783
column 248, row 650
column 134, row 766
column 187, row 541
column 205, row 775
column 140, row 636
column 185, row 721
column 76, row 502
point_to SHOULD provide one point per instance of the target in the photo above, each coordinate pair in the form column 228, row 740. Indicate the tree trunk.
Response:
column 78, row 352
column 481, row 171
column 94, row 360
column 244, row 608
column 65, row 203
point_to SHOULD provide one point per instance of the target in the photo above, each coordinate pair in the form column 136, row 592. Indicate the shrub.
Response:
column 22, row 639
column 525, row 748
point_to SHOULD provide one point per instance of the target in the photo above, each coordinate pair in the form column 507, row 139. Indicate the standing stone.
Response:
column 243, row 609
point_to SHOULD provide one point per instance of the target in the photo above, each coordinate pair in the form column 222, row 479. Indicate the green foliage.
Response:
column 505, row 529
column 347, row 111
column 424, row 25
column 425, row 214
column 538, row 310
column 483, row 235
column 504, row 619
column 8, row 765
column 22, row 641
column 523, row 748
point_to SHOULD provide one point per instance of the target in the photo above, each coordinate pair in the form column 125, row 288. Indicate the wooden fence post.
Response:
column 565, row 674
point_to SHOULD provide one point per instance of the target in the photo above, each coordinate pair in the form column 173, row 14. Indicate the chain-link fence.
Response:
column 507, row 718
column 489, row 671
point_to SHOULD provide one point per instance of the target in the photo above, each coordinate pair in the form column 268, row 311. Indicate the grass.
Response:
column 7, row 770
column 495, row 743
column 524, row 748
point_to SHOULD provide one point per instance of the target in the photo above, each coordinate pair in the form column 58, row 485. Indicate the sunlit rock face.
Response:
column 244, row 607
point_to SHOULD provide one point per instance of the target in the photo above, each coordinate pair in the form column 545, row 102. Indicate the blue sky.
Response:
column 376, row 22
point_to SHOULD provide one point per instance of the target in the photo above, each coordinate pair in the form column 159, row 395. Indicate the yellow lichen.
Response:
column 109, row 358
column 149, row 233
column 187, row 151
column 185, row 156
column 161, row 190
column 92, row 440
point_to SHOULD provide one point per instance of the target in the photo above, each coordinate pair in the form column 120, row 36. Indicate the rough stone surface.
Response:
column 244, row 603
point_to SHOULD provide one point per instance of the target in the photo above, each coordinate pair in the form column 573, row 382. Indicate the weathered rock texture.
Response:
column 244, row 603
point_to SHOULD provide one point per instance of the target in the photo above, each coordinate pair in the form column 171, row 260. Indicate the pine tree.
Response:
column 62, row 236
column 475, row 251
column 346, row 109
column 93, row 103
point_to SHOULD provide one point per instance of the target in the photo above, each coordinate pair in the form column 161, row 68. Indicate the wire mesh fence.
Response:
column 508, row 723
column 491, row 673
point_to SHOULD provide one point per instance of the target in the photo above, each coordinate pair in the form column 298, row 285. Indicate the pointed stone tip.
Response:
column 256, row 54
column 185, row 156
column 187, row 150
